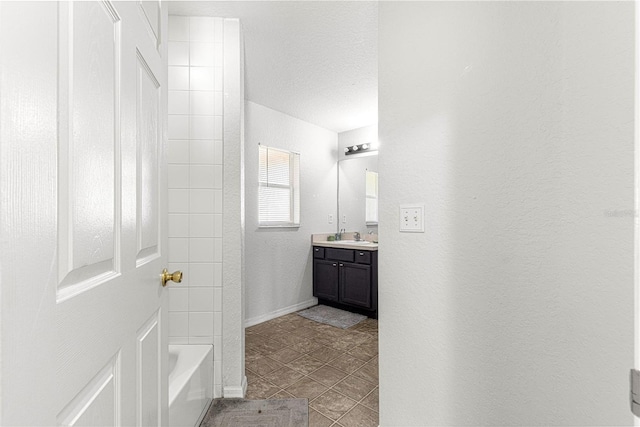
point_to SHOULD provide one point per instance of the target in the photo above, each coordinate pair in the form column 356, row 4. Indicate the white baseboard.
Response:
column 245, row 383
column 281, row 312
column 236, row 392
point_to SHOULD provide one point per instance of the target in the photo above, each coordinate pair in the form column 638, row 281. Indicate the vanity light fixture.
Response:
column 353, row 149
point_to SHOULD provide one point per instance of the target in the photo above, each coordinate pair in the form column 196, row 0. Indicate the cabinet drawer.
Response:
column 363, row 257
column 339, row 254
column 318, row 252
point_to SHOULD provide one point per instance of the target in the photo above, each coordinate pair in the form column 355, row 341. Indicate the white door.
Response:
column 83, row 213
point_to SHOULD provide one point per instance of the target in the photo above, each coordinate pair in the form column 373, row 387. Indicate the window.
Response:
column 371, row 215
column 278, row 188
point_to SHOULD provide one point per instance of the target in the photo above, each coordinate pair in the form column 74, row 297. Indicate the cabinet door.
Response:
column 325, row 279
column 355, row 284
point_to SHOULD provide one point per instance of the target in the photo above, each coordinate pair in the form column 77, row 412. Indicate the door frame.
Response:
column 636, row 187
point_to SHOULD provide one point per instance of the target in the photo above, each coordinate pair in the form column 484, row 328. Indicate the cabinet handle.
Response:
column 341, row 265
column 334, row 264
column 361, row 253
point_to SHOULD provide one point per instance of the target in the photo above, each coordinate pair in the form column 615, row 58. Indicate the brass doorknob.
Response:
column 176, row 276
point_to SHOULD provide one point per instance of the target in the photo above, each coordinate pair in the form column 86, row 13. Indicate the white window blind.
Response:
column 371, row 215
column 278, row 188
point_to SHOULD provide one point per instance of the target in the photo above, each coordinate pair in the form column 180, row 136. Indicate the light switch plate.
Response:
column 412, row 218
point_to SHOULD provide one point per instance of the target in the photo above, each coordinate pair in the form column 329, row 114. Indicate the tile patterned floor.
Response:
column 336, row 369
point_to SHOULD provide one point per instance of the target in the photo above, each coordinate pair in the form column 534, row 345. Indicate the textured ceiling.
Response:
column 314, row 60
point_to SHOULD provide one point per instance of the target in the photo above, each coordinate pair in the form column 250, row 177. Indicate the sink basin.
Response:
column 352, row 242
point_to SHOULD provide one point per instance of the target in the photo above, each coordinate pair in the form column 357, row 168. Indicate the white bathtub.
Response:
column 190, row 383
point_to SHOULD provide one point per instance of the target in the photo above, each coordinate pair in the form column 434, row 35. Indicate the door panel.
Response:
column 152, row 12
column 148, row 142
column 98, row 403
column 89, row 146
column 149, row 373
column 83, row 215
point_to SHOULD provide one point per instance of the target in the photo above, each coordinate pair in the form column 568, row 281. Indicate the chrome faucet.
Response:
column 356, row 236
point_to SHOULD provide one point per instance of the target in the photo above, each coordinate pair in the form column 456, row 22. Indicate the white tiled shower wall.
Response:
column 195, row 180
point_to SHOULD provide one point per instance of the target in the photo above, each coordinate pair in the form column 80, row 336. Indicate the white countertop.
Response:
column 346, row 243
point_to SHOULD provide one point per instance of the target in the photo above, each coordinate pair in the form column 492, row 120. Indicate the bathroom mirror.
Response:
column 352, row 192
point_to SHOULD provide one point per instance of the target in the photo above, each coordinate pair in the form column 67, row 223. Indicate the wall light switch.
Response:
column 330, row 219
column 412, row 218
column 344, row 219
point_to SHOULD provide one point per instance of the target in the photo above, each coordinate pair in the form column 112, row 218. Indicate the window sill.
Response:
column 279, row 226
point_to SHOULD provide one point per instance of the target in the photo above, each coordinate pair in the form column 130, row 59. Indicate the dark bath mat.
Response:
column 332, row 316
column 258, row 413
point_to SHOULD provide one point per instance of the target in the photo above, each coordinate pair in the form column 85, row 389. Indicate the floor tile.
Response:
column 252, row 340
column 371, row 401
column 325, row 354
column 251, row 375
column 303, row 332
column 333, row 331
column 285, row 355
column 305, row 346
column 296, row 319
column 276, row 335
column 369, row 372
column 318, row 420
column 345, row 342
column 283, row 377
column 358, row 338
column 366, row 324
column 332, row 404
column 269, row 346
column 261, row 327
column 263, row 365
column 290, row 339
column 251, row 354
column 360, row 416
column 260, row 389
column 306, row 388
column 327, row 375
column 291, row 356
column 364, row 351
column 305, row 364
column 281, row 394
column 347, row 363
column 354, row 387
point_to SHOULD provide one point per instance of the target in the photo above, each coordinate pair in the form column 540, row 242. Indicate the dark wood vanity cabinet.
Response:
column 326, row 275
column 346, row 278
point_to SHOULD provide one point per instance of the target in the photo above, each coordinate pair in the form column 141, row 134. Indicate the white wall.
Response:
column 233, row 378
column 514, row 124
column 278, row 260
